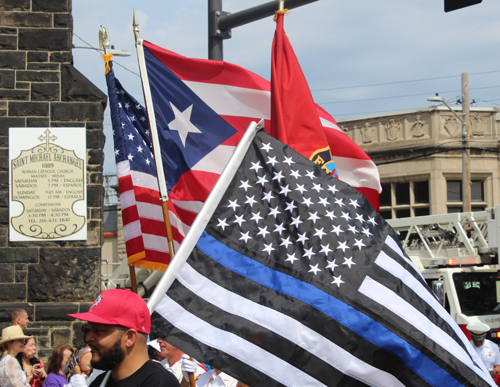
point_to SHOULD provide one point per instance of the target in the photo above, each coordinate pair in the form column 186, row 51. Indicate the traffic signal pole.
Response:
column 220, row 23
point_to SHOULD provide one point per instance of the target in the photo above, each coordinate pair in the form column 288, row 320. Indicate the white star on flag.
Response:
column 244, row 185
column 331, row 265
column 337, row 280
column 314, row 269
column 251, row 201
column 233, row 204
column 285, row 242
column 279, row 228
column 222, row 223
column 245, row 237
column 182, row 123
column 239, row 219
column 291, row 258
column 256, row 217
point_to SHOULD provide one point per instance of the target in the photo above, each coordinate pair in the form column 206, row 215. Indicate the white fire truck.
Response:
column 458, row 256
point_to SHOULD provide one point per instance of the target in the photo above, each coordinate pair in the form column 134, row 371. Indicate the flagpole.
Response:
column 104, row 43
column 162, row 184
column 204, row 215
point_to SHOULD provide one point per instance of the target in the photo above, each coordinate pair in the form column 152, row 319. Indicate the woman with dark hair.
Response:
column 11, row 374
column 31, row 364
column 57, row 361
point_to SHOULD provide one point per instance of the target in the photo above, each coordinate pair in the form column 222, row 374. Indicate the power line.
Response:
column 409, row 81
column 375, row 112
column 490, row 101
column 378, row 98
column 385, row 83
column 115, row 63
column 405, row 96
column 354, row 114
column 435, row 152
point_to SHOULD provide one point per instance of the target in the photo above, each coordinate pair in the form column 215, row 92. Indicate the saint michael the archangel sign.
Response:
column 47, row 193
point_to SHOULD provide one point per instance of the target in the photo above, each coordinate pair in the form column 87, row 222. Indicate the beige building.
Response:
column 419, row 157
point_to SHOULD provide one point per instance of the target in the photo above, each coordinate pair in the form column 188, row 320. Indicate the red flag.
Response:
column 294, row 118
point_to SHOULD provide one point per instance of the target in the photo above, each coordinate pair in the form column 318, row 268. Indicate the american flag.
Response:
column 297, row 281
column 143, row 225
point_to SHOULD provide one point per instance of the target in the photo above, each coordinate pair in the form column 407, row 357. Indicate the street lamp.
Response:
column 465, row 150
column 111, row 51
column 437, row 98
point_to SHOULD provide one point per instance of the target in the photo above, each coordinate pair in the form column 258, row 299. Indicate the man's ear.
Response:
column 130, row 337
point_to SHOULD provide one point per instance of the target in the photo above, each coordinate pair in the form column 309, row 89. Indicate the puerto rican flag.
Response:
column 202, row 109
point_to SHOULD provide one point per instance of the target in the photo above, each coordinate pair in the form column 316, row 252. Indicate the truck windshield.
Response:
column 478, row 293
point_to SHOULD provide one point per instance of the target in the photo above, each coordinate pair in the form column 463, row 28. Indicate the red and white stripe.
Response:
column 143, row 226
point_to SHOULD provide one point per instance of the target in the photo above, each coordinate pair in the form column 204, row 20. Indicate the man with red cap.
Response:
column 118, row 326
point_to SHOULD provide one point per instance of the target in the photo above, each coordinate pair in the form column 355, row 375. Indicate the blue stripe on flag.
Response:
column 348, row 316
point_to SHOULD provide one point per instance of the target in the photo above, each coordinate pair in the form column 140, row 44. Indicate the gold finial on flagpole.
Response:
column 104, row 40
column 281, row 10
column 135, row 26
column 104, row 44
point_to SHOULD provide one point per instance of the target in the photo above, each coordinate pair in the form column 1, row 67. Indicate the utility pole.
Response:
column 466, row 182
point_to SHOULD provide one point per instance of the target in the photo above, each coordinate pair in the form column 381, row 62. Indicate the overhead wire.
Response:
column 99, row 51
column 379, row 98
column 418, row 110
column 404, row 96
column 496, row 151
column 353, row 114
column 407, row 81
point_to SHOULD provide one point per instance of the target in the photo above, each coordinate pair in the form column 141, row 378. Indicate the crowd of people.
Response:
column 116, row 354
column 117, row 331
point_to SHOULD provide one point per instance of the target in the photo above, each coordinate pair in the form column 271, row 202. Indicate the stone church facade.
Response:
column 39, row 87
column 419, row 157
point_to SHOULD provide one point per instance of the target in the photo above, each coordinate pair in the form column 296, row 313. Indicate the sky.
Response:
column 359, row 57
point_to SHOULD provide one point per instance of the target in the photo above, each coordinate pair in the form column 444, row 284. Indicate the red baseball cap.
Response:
column 119, row 307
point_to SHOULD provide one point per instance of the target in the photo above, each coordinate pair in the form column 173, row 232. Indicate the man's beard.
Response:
column 110, row 358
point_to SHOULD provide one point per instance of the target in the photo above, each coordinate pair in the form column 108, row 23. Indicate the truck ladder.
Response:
column 437, row 239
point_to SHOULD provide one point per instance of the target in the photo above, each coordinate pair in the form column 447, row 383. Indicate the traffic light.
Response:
column 451, row 5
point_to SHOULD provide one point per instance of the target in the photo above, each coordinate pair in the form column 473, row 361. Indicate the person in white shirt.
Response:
column 212, row 378
column 173, row 359
column 486, row 349
column 216, row 378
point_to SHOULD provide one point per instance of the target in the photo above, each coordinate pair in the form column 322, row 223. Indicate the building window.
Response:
column 454, row 196
column 404, row 200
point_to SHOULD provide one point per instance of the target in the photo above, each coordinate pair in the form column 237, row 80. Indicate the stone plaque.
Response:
column 47, row 174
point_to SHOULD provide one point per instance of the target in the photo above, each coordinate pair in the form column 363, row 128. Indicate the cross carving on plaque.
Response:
column 47, row 138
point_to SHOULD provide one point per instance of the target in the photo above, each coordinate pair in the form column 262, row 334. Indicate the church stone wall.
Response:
column 39, row 87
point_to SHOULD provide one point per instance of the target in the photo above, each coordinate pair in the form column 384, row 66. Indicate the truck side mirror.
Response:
column 438, row 289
